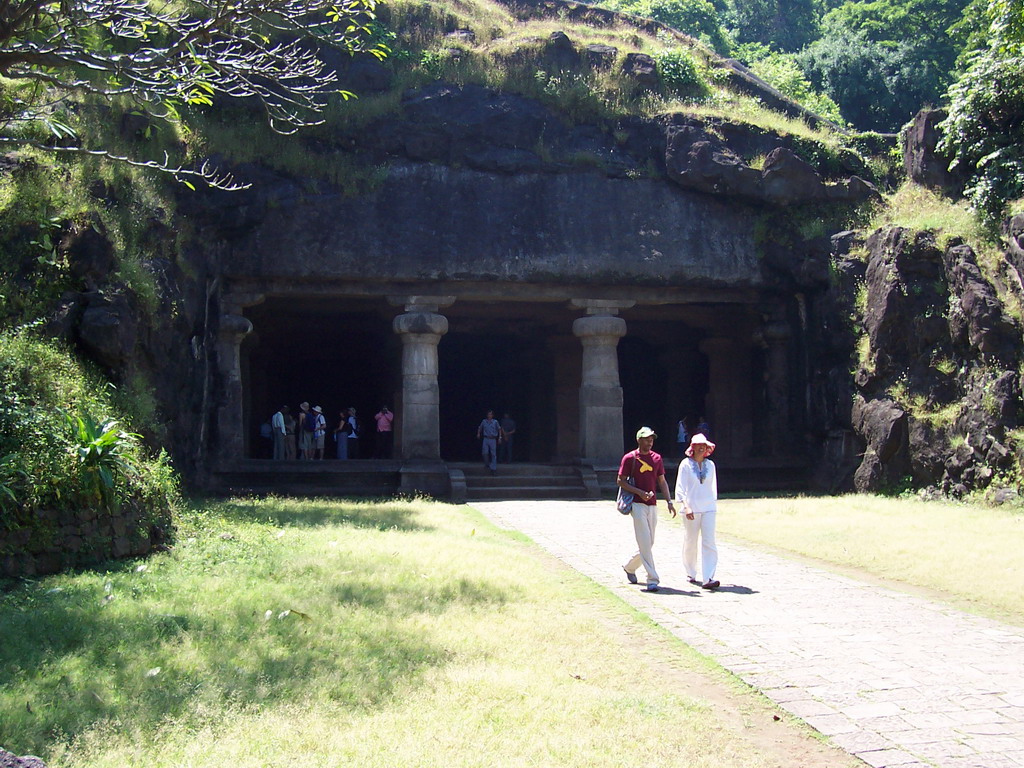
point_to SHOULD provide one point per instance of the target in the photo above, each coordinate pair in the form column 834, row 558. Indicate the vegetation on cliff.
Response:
column 65, row 445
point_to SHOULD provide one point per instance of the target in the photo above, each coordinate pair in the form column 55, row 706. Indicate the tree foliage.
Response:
column 984, row 131
column 697, row 18
column 160, row 59
column 782, row 71
column 878, row 87
column 785, row 25
column 883, row 60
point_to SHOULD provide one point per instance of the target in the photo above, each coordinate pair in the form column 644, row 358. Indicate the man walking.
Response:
column 489, row 431
column 642, row 473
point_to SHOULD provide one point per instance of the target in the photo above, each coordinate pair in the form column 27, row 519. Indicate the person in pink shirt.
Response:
column 385, row 434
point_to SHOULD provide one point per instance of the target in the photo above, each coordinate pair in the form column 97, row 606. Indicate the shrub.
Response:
column 53, row 460
column 680, row 72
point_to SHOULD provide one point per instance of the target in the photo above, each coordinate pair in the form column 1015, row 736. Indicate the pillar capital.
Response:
column 602, row 306
column 420, row 323
column 418, row 303
column 599, row 327
column 234, row 328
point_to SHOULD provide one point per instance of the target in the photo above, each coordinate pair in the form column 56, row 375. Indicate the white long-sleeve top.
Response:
column 691, row 493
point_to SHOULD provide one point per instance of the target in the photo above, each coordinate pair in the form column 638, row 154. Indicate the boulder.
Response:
column 787, row 179
column 108, row 330
column 884, row 427
column 921, row 158
column 906, row 292
column 641, row 68
column 982, row 320
column 600, row 57
column 707, row 167
column 560, row 53
column 853, row 190
column 89, row 252
column 9, row 760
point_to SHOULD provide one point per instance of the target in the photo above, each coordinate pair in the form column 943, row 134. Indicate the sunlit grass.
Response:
column 918, row 208
column 970, row 552
column 335, row 634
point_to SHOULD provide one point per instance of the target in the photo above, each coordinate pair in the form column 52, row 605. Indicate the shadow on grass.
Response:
column 85, row 653
column 381, row 515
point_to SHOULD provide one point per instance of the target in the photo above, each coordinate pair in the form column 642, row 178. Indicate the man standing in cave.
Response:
column 489, row 432
column 277, row 425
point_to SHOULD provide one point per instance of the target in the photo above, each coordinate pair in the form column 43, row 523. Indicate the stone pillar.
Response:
column 600, row 388
column 729, row 396
column 420, row 329
column 231, row 430
column 776, row 337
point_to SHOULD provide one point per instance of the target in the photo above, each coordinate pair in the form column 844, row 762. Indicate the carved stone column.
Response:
column 420, row 329
column 600, row 388
column 230, row 420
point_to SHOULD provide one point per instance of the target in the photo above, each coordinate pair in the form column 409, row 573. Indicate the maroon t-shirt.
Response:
column 648, row 469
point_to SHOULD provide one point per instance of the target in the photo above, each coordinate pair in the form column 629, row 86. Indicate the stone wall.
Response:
column 57, row 540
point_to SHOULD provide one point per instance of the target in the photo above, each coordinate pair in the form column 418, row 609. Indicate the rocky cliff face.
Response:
column 480, row 185
column 937, row 390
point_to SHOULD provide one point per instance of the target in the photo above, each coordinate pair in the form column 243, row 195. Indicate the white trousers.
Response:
column 702, row 525
column 645, row 521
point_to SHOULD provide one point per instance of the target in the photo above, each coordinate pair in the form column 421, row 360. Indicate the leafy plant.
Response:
column 10, row 474
column 103, row 451
column 679, row 71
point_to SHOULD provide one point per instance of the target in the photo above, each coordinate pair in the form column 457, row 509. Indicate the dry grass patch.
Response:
column 943, row 547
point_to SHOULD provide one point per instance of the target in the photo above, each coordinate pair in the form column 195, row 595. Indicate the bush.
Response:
column 60, row 447
column 680, row 72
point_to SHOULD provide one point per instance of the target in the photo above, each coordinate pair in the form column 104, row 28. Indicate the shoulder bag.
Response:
column 624, row 500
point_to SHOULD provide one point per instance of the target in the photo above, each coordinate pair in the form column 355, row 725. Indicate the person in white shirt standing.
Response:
column 697, row 493
column 277, row 423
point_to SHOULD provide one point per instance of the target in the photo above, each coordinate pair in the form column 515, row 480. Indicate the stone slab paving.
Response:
column 892, row 678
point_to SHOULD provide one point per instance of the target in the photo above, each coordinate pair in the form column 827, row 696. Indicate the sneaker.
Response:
column 693, row 580
column 651, row 588
column 630, row 577
column 710, row 584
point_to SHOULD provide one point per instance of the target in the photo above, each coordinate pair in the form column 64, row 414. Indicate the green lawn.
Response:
column 327, row 633
column 969, row 553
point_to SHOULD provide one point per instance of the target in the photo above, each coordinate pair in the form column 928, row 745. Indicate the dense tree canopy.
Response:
column 158, row 59
column 785, row 25
column 878, row 87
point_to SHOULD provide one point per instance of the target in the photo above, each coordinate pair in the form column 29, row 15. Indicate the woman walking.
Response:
column 697, row 493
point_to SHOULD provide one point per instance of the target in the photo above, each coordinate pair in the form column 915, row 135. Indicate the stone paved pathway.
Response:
column 892, row 678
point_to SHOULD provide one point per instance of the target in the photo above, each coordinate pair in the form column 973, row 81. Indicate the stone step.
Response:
column 534, row 492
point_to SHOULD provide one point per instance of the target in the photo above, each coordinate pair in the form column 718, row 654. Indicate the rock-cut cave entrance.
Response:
column 502, row 357
column 516, row 357
column 334, row 352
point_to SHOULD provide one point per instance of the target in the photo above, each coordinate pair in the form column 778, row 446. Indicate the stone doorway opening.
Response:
column 334, row 352
column 498, row 366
